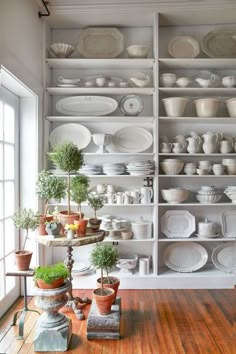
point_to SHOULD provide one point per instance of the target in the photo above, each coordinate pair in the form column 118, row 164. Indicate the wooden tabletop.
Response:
column 75, row 242
column 24, row 273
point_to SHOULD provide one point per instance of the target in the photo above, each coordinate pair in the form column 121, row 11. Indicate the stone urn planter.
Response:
column 53, row 329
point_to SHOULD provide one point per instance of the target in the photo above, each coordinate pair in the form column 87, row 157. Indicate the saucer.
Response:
column 208, row 236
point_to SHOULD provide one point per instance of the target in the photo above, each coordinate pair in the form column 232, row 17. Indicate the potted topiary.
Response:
column 50, row 277
column 69, row 158
column 49, row 187
column 96, row 202
column 25, row 219
column 79, row 194
column 104, row 257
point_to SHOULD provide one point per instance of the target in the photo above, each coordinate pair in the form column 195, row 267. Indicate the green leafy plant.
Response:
column 104, row 257
column 50, row 187
column 25, row 219
column 79, row 190
column 51, row 273
column 68, row 157
column 96, row 202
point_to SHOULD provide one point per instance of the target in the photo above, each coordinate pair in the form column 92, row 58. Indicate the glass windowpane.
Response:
column 11, row 281
column 10, row 239
column 1, row 120
column 1, row 160
column 1, row 240
column 9, row 202
column 9, row 162
column 9, row 123
column 2, row 290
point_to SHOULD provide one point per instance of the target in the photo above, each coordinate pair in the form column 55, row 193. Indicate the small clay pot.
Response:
column 95, row 224
column 82, row 227
column 23, row 259
column 55, row 284
column 104, row 299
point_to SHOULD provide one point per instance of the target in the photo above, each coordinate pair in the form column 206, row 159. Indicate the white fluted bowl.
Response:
column 174, row 195
column 175, row 106
column 172, row 167
column 61, row 50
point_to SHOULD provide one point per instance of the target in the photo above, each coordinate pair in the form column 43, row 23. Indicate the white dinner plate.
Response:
column 220, row 44
column 67, row 85
column 100, row 42
column 224, row 257
column 228, row 220
column 185, row 256
column 178, row 224
column 183, row 47
column 86, row 105
column 135, row 139
column 76, row 133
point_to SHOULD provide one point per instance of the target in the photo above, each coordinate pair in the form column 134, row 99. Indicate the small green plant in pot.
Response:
column 49, row 187
column 79, row 194
column 104, row 257
column 51, row 276
column 28, row 220
column 69, row 158
column 96, row 202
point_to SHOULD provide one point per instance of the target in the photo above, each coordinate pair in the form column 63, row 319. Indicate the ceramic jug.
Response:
column 229, row 81
column 165, row 147
column 182, row 140
column 211, row 142
column 177, row 148
column 193, row 144
column 206, row 82
column 226, row 146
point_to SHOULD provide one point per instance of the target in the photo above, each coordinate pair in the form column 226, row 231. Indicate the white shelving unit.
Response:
column 156, row 30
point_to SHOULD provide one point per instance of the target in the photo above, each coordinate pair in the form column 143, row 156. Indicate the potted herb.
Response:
column 79, row 194
column 25, row 219
column 50, row 277
column 104, row 257
column 49, row 187
column 53, row 227
column 96, row 202
column 69, row 158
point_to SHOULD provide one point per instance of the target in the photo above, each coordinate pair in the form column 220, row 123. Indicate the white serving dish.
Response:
column 86, row 105
column 127, row 262
column 207, row 107
column 174, row 196
column 138, row 51
column 76, row 133
column 62, row 80
column 228, row 221
column 185, row 256
column 172, row 167
column 208, row 198
column 139, row 80
column 231, row 106
column 223, row 257
column 98, row 42
column 175, row 106
column 178, row 224
column 139, row 140
column 61, row 50
column 183, row 47
column 219, row 44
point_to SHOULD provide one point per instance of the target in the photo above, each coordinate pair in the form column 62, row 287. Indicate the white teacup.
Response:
column 100, row 81
column 168, row 79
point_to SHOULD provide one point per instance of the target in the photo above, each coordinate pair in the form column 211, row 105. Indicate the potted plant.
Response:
column 53, row 227
column 25, row 219
column 51, row 276
column 79, row 194
column 70, row 230
column 96, row 202
column 49, row 187
column 104, row 257
column 69, row 158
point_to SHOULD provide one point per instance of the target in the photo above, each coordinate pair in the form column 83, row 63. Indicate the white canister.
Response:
column 144, row 266
column 146, row 195
column 135, row 195
column 207, row 228
column 141, row 229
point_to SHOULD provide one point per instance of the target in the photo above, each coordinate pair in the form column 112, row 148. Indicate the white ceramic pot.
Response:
column 141, row 229
column 207, row 107
column 138, row 51
column 206, row 228
column 231, row 106
column 168, row 79
column 175, row 106
column 183, row 81
column 229, row 81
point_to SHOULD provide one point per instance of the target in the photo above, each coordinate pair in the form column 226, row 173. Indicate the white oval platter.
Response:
column 178, row 224
column 224, row 257
column 183, row 47
column 76, row 133
column 135, row 139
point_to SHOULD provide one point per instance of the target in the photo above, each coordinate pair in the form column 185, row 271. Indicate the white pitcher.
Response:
column 193, row 144
column 146, row 195
column 211, row 142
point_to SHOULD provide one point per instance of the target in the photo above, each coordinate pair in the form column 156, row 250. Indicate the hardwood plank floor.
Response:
column 152, row 322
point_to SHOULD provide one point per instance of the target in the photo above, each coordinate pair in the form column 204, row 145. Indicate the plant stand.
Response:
column 104, row 327
column 53, row 329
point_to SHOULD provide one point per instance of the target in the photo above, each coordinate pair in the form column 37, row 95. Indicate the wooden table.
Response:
column 76, row 303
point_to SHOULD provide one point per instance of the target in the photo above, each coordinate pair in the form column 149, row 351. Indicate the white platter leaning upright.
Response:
column 228, row 220
column 100, row 42
column 224, row 257
column 178, row 224
column 135, row 139
column 185, row 256
column 219, row 44
column 86, row 105
column 183, row 47
column 76, row 133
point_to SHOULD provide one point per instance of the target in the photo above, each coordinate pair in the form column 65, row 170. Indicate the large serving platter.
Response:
column 183, row 47
column 76, row 133
column 86, row 105
column 220, row 44
column 224, row 257
column 185, row 256
column 228, row 220
column 135, row 139
column 178, row 224
column 97, row 42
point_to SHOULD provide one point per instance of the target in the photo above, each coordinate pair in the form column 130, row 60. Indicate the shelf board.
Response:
column 108, row 119
column 62, row 91
column 204, row 272
column 199, row 63
column 197, row 239
column 71, row 63
column 197, row 176
column 119, row 154
column 215, row 120
column 233, row 154
column 132, row 240
column 104, row 176
column 229, row 204
column 151, row 205
column 198, row 91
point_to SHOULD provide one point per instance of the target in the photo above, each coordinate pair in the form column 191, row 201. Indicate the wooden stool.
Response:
column 24, row 274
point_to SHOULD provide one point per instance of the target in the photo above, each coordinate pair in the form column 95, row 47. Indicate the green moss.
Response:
column 51, row 273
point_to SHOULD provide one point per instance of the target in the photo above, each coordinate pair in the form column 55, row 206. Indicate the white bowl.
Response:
column 174, row 196
column 175, row 106
column 208, row 198
column 138, row 51
column 231, row 195
column 126, row 235
column 231, row 106
column 171, row 168
column 127, row 262
column 207, row 107
column 230, row 169
column 202, row 171
column 61, row 50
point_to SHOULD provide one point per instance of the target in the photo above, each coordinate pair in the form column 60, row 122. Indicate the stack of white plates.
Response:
column 140, row 167
column 91, row 170
column 80, row 268
column 57, row 171
column 113, row 168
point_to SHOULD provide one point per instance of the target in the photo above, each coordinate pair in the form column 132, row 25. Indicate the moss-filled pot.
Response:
column 55, row 284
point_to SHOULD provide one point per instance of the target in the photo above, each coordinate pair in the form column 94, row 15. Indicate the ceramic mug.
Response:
column 135, row 195
column 119, row 198
column 146, row 195
column 111, row 188
column 101, row 188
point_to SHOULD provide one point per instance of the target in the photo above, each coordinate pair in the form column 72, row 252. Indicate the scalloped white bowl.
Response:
column 61, row 50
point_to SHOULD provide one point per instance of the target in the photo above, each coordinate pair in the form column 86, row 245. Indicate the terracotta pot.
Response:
column 105, row 300
column 23, row 259
column 82, row 227
column 95, row 223
column 68, row 219
column 55, row 284
column 42, row 226
column 114, row 285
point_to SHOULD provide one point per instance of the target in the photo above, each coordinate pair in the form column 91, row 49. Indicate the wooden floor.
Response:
column 152, row 322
